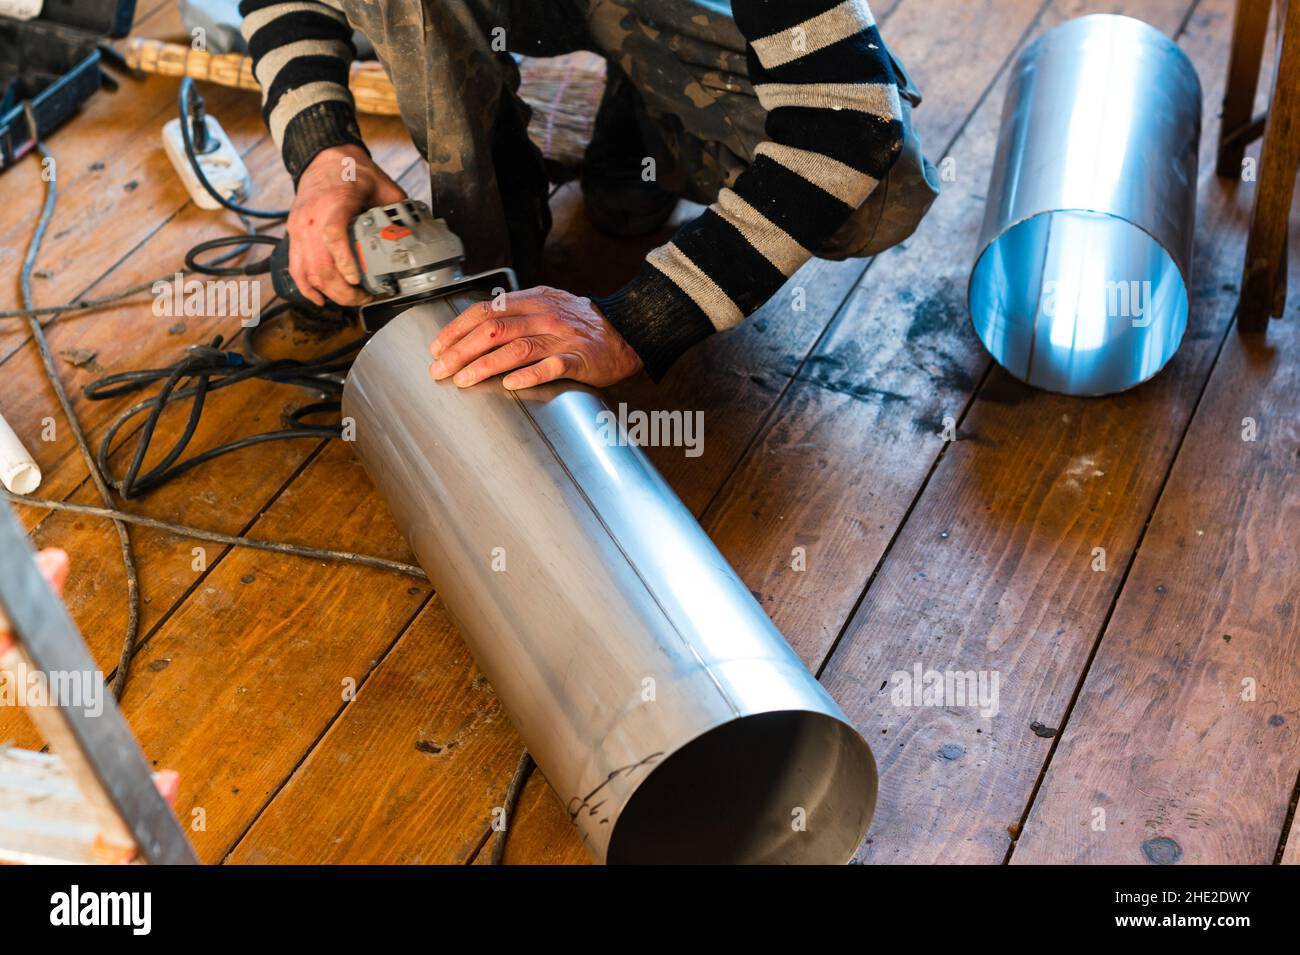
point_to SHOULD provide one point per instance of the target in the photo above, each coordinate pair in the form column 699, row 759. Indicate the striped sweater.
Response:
column 820, row 71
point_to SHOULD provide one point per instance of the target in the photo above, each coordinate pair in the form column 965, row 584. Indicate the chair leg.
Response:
column 1263, row 283
column 1249, row 30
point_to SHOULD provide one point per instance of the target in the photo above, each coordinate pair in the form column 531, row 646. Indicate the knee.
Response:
column 890, row 215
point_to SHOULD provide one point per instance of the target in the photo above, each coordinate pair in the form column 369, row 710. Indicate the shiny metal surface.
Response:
column 1085, row 253
column 665, row 709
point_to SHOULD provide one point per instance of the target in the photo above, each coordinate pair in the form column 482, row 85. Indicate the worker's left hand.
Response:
column 537, row 335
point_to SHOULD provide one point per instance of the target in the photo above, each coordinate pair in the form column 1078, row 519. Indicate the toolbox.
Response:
column 50, row 64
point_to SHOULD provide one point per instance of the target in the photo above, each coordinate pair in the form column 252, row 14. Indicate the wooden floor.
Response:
column 1149, row 712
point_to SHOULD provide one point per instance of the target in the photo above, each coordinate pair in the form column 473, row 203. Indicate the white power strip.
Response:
column 223, row 165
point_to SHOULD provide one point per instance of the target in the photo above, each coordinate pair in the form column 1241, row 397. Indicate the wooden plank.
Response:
column 544, row 831
column 1249, row 30
column 251, row 669
column 1184, row 743
column 1264, row 278
column 409, row 775
column 541, row 833
column 44, row 817
column 1292, row 854
column 993, row 571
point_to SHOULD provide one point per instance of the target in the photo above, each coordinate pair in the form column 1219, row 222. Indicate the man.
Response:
column 785, row 118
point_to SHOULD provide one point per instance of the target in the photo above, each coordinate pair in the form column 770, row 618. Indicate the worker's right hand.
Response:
column 338, row 184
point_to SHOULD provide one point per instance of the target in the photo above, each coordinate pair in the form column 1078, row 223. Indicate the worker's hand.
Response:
column 536, row 335
column 339, row 183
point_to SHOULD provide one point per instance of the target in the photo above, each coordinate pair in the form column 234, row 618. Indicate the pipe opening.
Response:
column 737, row 794
column 1078, row 302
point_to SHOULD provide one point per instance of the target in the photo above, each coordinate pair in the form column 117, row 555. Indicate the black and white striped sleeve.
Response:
column 302, row 53
column 834, row 131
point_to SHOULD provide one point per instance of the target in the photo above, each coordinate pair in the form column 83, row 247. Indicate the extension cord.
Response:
column 222, row 165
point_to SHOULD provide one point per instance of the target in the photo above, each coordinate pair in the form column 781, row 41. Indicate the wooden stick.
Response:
column 370, row 85
column 1264, row 279
column 1249, row 30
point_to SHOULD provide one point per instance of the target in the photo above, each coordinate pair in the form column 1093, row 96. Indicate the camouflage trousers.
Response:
column 457, row 84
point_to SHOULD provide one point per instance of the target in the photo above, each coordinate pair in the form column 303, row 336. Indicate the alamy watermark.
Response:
column 1129, row 299
column 179, row 297
column 652, row 429
column 977, row 689
column 132, row 909
column 72, row 689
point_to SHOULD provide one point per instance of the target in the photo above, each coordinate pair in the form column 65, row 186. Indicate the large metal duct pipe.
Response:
column 1081, row 282
column 665, row 709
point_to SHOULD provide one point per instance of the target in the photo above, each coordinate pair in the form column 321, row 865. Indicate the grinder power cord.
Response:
column 211, row 368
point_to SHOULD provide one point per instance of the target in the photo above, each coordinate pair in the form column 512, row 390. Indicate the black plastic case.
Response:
column 52, row 61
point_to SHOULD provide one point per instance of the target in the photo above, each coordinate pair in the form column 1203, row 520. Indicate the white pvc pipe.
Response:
column 18, row 472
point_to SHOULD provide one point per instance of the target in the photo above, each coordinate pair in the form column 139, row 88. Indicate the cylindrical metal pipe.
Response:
column 1081, row 283
column 666, row 711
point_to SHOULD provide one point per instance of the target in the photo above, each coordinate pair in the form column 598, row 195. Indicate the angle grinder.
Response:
column 405, row 254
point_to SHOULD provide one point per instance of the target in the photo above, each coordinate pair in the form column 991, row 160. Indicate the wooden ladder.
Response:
column 93, row 799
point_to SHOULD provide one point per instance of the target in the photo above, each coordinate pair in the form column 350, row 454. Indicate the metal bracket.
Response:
column 375, row 315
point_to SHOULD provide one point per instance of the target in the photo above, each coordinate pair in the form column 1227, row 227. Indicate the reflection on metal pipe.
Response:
column 665, row 709
column 1081, row 284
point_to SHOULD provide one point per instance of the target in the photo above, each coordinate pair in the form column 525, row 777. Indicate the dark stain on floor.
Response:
column 1162, row 851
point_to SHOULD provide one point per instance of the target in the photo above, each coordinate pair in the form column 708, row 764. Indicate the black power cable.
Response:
column 208, row 368
column 243, row 243
column 205, row 369
column 191, row 107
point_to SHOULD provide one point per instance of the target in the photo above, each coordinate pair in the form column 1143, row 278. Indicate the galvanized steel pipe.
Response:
column 1081, row 282
column 666, row 711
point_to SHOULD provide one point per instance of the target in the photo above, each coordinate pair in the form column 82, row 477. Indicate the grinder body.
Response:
column 403, row 252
